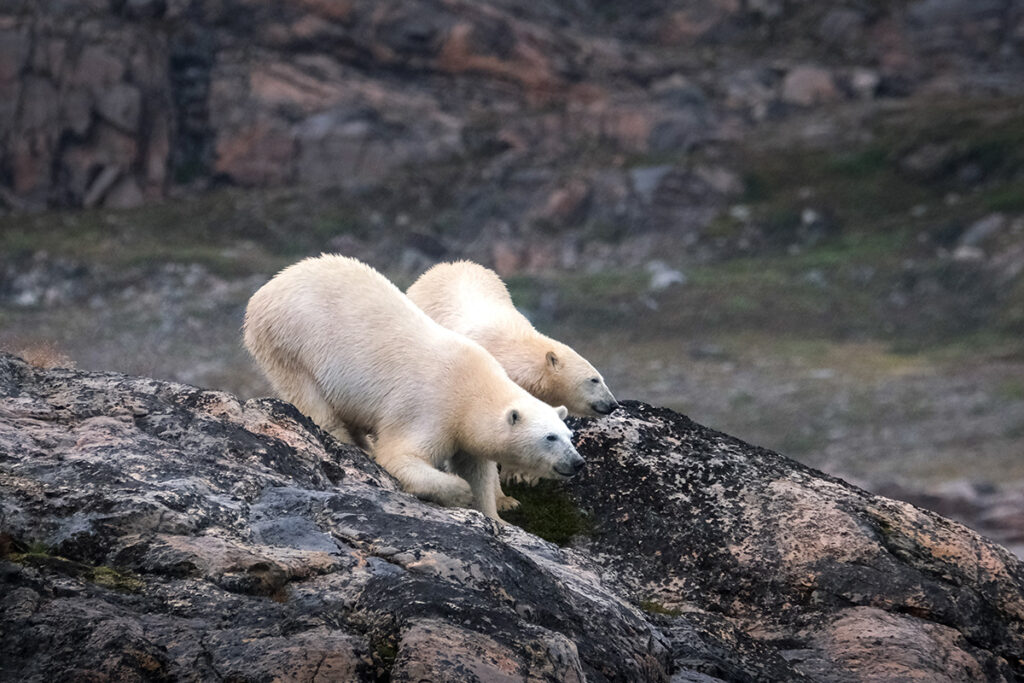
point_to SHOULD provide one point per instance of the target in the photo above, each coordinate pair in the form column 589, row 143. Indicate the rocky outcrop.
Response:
column 842, row 584
column 158, row 531
column 258, row 548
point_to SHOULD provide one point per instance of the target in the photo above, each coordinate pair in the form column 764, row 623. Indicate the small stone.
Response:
column 720, row 179
column 816, row 278
column 740, row 212
column 646, row 179
column 125, row 194
column 663, row 276
column 809, row 217
column 983, row 229
column 865, row 82
column 567, row 205
column 928, row 161
column 968, row 254
column 806, row 86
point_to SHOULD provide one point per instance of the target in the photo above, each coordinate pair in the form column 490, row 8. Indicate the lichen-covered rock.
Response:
column 253, row 547
column 157, row 531
column 842, row 584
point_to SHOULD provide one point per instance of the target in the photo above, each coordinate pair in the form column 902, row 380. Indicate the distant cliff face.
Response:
column 112, row 103
column 157, row 531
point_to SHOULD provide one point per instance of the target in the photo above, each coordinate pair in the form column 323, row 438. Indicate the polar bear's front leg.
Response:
column 482, row 476
column 405, row 463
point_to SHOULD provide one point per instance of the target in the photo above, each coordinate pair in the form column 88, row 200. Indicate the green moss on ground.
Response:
column 39, row 556
column 232, row 232
column 546, row 510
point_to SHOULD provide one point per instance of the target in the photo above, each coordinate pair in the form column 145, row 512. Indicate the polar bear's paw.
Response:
column 507, row 503
column 459, row 494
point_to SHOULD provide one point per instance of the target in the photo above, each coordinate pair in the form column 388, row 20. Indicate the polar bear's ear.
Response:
column 512, row 416
column 552, row 359
column 562, row 412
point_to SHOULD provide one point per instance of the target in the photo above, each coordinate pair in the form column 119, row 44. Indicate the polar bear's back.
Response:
column 468, row 298
column 350, row 329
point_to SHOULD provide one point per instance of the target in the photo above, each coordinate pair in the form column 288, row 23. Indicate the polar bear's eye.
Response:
column 552, row 437
column 595, row 380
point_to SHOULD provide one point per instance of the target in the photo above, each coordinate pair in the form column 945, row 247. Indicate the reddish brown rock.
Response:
column 257, row 154
column 567, row 205
column 522, row 62
column 688, row 25
column 31, row 160
column 336, row 10
column 809, row 85
column 541, row 81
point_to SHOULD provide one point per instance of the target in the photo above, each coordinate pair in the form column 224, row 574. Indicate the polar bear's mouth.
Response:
column 570, row 469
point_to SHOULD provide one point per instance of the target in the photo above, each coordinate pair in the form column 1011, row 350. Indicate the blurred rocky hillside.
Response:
column 507, row 115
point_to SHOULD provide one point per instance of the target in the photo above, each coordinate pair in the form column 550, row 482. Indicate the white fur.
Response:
column 343, row 344
column 472, row 300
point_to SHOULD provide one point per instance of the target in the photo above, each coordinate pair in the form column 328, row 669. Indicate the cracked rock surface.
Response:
column 156, row 531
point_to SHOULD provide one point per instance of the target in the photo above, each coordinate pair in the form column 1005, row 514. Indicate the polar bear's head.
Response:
column 535, row 441
column 569, row 380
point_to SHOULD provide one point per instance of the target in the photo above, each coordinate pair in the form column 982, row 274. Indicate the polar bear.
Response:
column 472, row 300
column 348, row 348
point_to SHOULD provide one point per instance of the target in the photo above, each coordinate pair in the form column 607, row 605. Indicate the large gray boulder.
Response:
column 156, row 531
column 841, row 584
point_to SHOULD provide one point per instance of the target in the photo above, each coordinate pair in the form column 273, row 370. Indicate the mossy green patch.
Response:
column 116, row 580
column 385, row 651
column 231, row 231
column 1011, row 389
column 39, row 556
column 861, row 163
column 1009, row 198
column 657, row 608
column 546, row 510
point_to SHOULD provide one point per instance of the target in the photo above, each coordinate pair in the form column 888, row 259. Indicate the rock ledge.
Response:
column 156, row 531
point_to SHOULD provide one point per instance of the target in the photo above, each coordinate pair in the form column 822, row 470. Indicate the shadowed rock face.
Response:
column 842, row 584
column 158, row 531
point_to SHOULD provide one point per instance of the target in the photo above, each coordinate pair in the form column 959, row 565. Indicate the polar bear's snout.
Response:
column 604, row 407
column 570, row 464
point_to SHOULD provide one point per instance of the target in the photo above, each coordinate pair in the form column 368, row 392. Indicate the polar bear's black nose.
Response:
column 570, row 465
column 604, row 407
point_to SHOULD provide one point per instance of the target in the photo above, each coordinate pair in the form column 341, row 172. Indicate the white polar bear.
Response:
column 344, row 345
column 472, row 300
